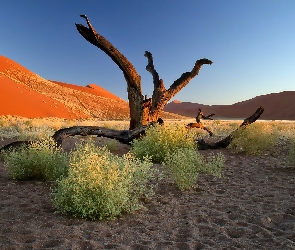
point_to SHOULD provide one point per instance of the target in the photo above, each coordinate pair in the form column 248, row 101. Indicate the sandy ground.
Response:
column 251, row 207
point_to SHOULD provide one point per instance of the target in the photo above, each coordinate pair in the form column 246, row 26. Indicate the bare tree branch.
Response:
column 123, row 136
column 132, row 78
column 159, row 88
column 202, row 145
column 99, row 41
column 166, row 95
column 185, row 78
column 150, row 68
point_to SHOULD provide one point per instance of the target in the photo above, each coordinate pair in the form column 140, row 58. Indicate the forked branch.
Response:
column 185, row 78
column 160, row 95
column 202, row 145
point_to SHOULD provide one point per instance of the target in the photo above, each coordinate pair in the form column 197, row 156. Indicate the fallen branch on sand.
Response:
column 127, row 136
column 202, row 145
column 123, row 136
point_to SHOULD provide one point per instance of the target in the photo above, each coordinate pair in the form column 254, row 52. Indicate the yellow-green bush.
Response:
column 254, row 139
column 291, row 153
column 111, row 144
column 185, row 164
column 101, row 185
column 162, row 140
column 40, row 160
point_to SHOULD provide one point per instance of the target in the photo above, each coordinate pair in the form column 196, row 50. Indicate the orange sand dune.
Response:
column 91, row 89
column 277, row 106
column 18, row 99
column 24, row 93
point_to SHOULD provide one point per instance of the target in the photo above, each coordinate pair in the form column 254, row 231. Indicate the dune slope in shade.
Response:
column 277, row 106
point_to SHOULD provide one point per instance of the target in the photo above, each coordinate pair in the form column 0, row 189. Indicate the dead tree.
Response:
column 142, row 111
column 202, row 145
column 198, row 123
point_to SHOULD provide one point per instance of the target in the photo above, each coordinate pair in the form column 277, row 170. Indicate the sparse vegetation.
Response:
column 101, row 185
column 92, row 183
column 41, row 160
column 255, row 140
column 162, row 140
column 112, row 144
column 185, row 164
column 291, row 153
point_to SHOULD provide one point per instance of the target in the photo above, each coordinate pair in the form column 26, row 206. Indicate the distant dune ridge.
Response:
column 278, row 106
column 26, row 94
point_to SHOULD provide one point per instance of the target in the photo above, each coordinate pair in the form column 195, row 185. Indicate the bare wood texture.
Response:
column 123, row 136
column 142, row 110
column 198, row 125
column 132, row 78
column 202, row 145
column 161, row 95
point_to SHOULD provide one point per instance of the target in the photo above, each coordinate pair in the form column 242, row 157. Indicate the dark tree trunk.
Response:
column 142, row 110
column 202, row 145
column 123, row 136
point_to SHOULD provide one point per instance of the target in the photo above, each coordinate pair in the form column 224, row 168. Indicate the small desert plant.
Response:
column 101, row 185
column 214, row 164
column 40, row 160
column 162, row 140
column 111, row 144
column 185, row 164
column 291, row 153
column 255, row 139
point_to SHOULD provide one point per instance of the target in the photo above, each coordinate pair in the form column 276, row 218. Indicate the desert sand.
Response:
column 251, row 207
column 26, row 94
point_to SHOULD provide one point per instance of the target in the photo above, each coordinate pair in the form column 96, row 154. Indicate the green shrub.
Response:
column 185, row 164
column 40, row 160
column 162, row 140
column 112, row 144
column 254, row 139
column 291, row 153
column 101, row 185
column 214, row 164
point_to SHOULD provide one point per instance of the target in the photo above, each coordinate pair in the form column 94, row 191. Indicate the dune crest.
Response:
column 24, row 93
column 277, row 106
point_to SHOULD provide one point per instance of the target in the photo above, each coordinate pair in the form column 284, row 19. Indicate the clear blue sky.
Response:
column 251, row 43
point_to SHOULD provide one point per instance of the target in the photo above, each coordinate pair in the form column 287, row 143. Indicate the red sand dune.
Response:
column 24, row 93
column 91, row 89
column 277, row 106
column 18, row 99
